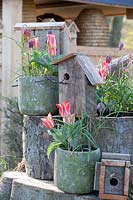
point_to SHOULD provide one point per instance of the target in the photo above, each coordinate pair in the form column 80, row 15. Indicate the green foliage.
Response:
column 127, row 33
column 117, row 92
column 78, row 136
column 3, row 165
column 35, row 62
column 115, row 35
column 13, row 132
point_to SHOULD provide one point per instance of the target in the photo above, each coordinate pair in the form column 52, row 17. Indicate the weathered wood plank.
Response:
column 101, row 182
column 102, row 51
column 111, row 196
column 97, row 176
column 115, row 163
column 115, row 156
column 126, row 181
column 89, row 69
column 10, row 51
column 72, row 89
column 40, row 25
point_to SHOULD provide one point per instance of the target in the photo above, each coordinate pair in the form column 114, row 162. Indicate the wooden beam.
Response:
column 57, row 5
column 129, row 13
column 11, row 55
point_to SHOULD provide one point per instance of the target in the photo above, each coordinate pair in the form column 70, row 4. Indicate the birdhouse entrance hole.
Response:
column 114, row 181
column 66, row 76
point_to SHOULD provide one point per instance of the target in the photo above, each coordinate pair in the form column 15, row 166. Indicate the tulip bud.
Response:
column 49, row 32
column 121, row 46
column 108, row 59
column 31, row 43
column 27, row 34
column 35, row 42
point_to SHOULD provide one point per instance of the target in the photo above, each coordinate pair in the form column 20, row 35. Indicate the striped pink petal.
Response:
column 48, row 122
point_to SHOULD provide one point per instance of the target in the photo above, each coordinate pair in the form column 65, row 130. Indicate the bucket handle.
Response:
column 60, row 82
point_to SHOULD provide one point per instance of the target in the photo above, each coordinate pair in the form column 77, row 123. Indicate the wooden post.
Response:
column 12, row 13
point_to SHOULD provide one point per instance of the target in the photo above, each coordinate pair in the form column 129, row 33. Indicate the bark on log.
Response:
column 6, row 184
column 23, row 187
column 31, row 189
column 35, row 143
column 5, row 188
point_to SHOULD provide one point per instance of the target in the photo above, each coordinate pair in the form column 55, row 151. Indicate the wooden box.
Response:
column 112, row 176
column 65, row 34
column 59, row 29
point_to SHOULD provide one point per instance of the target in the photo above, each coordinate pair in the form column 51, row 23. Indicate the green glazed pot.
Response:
column 74, row 171
column 38, row 95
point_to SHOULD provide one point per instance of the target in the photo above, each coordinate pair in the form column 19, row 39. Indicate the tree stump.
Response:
column 35, row 143
column 6, row 183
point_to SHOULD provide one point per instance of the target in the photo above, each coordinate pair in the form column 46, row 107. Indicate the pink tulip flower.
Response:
column 104, row 70
column 48, row 122
column 35, row 42
column 64, row 108
column 51, row 42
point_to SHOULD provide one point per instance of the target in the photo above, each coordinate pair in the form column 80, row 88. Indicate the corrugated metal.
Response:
column 123, row 3
column 29, row 11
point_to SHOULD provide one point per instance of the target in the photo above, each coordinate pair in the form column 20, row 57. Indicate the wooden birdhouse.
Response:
column 112, row 176
column 78, row 78
column 73, row 30
column 40, row 30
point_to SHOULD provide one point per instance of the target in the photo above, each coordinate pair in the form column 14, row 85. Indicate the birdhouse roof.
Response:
column 72, row 24
column 87, row 66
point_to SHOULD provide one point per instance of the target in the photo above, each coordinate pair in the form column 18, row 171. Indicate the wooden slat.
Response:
column 111, row 196
column 114, row 163
column 115, row 156
column 97, row 176
column 102, row 51
column 128, row 164
column 40, row 25
column 101, row 182
column 63, row 59
column 90, row 70
column 126, row 181
column 29, row 11
column 117, row 63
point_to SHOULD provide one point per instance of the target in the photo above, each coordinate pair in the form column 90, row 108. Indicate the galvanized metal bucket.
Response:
column 38, row 95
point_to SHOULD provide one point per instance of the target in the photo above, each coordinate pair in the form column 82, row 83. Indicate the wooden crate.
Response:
column 114, row 179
